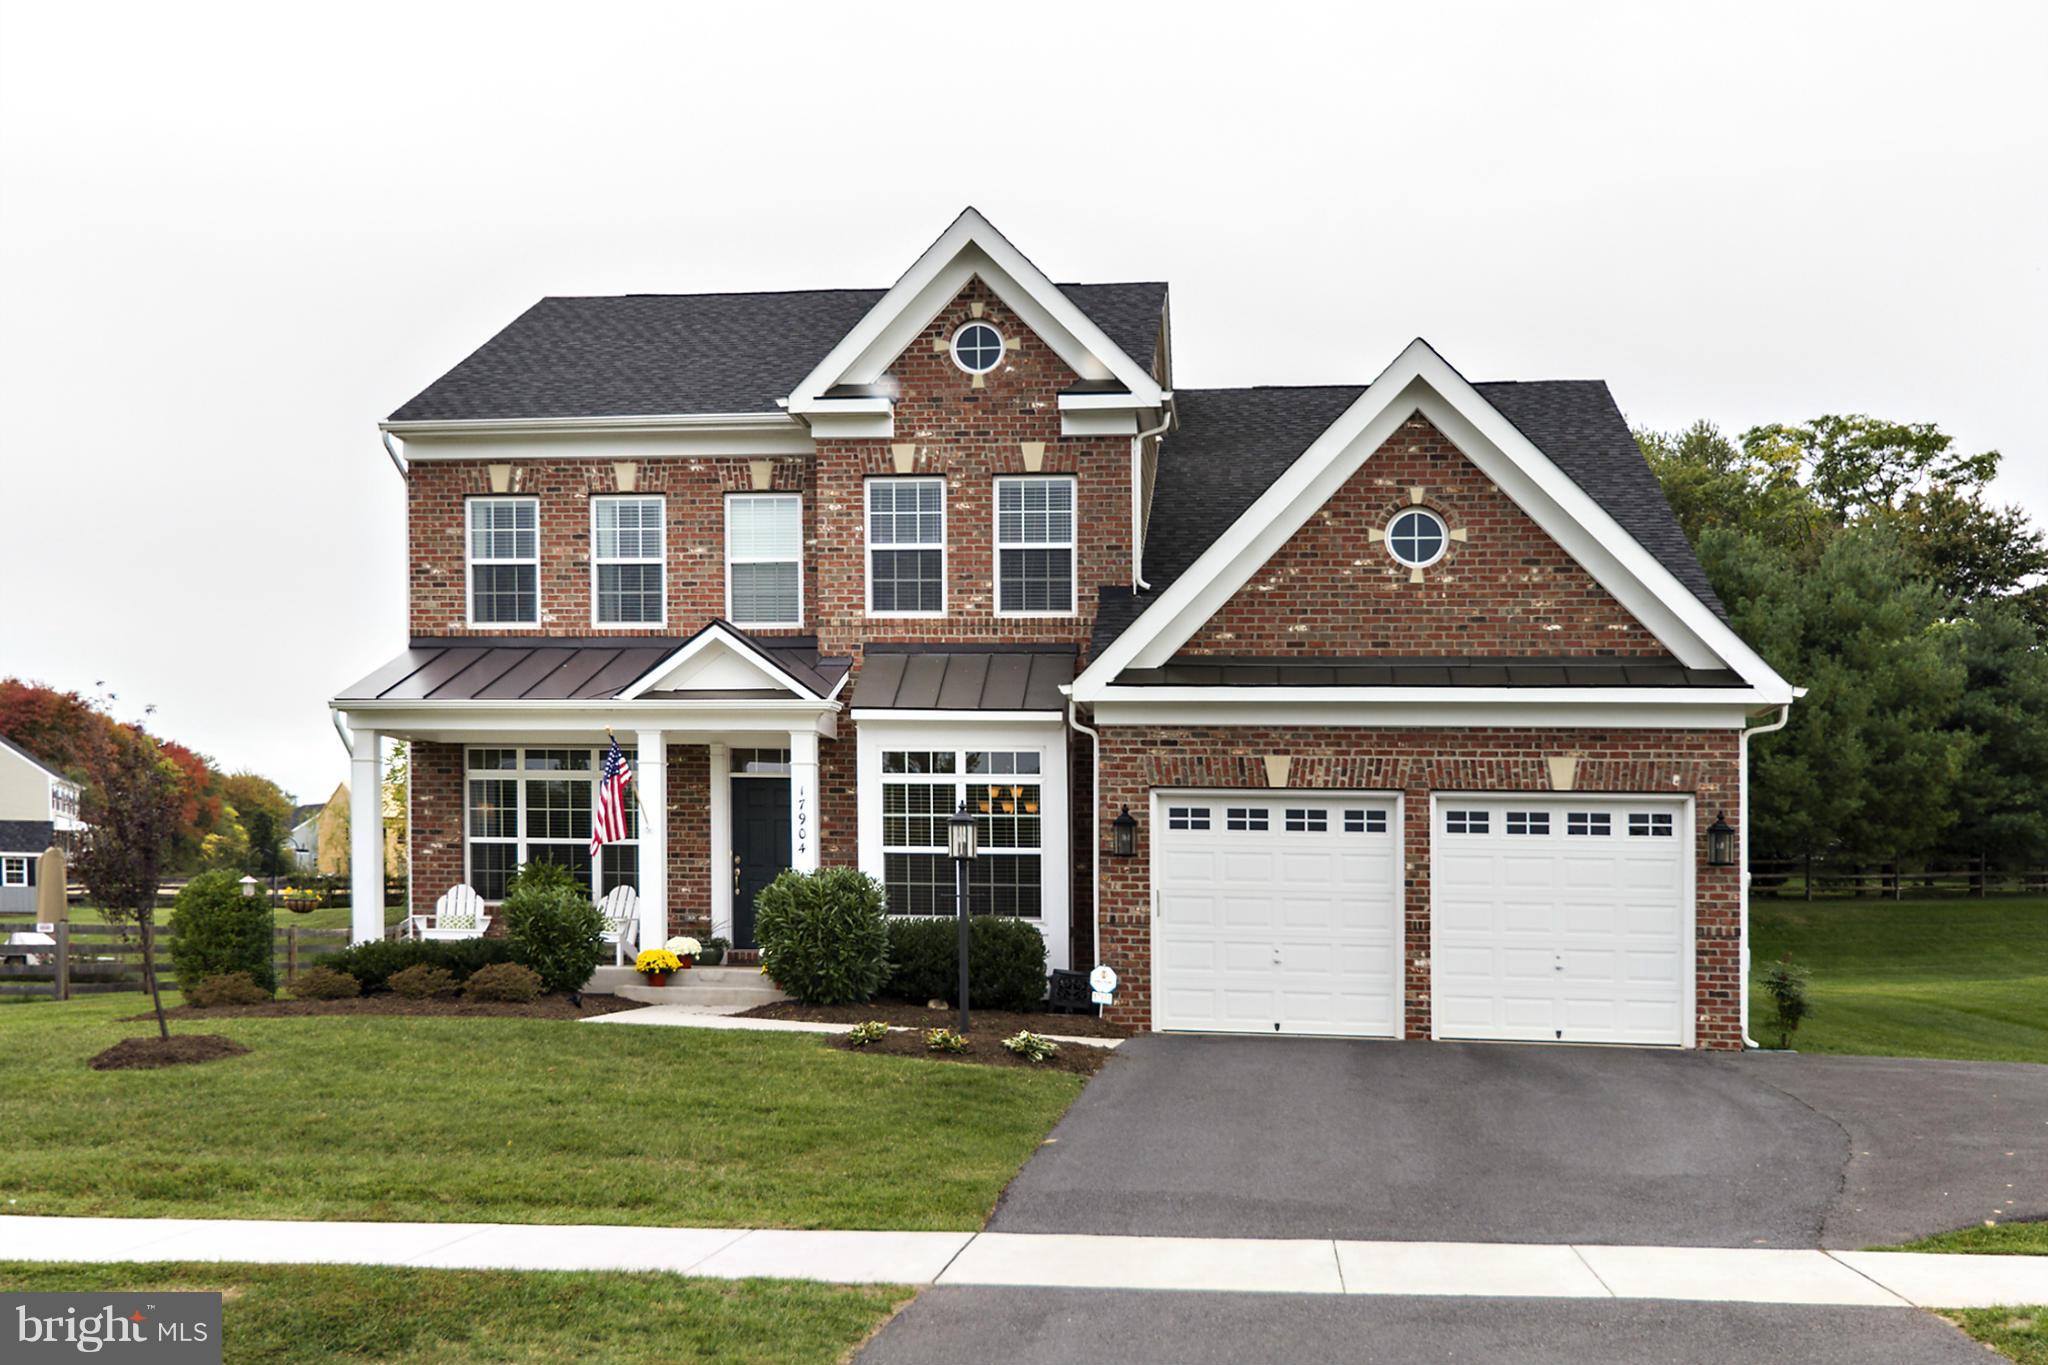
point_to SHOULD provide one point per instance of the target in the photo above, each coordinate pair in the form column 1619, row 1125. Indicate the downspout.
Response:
column 397, row 460
column 1094, row 822
column 1138, row 583
column 1742, row 817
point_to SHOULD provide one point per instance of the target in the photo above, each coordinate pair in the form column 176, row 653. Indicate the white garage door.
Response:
column 1277, row 914
column 1560, row 919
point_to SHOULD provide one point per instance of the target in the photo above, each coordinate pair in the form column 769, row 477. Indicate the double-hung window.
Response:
column 906, row 547
column 626, row 558
column 1035, row 546
column 534, row 806
column 504, row 561
column 764, row 573
column 1001, row 788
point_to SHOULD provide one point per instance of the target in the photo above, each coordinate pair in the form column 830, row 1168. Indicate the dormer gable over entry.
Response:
column 847, row 393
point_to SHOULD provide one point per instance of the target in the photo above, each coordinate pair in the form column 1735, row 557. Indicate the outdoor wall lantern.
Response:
column 1720, row 842
column 1123, row 835
column 960, row 841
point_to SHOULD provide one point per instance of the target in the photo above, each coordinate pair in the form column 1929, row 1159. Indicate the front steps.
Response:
column 727, row 988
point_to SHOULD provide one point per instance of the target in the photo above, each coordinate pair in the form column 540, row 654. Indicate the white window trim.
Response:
column 1072, row 545
column 868, row 548
column 518, row 775
column 1002, row 346
column 469, row 562
column 968, row 730
column 660, row 561
column 9, row 867
column 731, row 560
column 1443, row 532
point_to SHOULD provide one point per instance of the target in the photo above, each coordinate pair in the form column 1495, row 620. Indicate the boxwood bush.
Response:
column 552, row 926
column 822, row 935
column 1005, row 962
column 373, row 963
column 216, row 930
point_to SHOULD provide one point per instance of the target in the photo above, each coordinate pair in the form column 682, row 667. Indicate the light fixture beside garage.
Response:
column 1720, row 842
column 1123, row 835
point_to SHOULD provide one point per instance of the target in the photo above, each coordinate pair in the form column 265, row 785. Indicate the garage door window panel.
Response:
column 1245, row 819
column 1466, row 822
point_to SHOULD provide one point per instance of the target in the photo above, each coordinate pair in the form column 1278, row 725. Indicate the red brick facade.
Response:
column 1416, row 763
column 1504, row 588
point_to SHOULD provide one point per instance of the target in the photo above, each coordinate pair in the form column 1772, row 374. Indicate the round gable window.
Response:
column 977, row 348
column 1417, row 538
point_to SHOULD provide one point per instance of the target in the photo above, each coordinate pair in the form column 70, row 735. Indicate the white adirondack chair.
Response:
column 458, row 914
column 621, row 911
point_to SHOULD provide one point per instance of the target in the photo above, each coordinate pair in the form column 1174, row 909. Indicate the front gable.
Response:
column 1653, row 605
column 1503, row 588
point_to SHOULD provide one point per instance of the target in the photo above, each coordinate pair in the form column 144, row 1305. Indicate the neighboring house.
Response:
column 1420, row 705
column 320, row 836
column 38, row 810
column 305, row 836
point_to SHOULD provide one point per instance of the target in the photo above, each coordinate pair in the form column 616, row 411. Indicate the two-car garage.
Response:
column 1552, row 918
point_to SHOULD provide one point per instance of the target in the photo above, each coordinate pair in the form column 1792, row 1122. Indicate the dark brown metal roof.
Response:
column 551, row 668
column 1436, row 671
column 963, row 679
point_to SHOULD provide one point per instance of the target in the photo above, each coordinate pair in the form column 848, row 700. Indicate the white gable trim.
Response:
column 1420, row 381
column 969, row 248
column 710, row 646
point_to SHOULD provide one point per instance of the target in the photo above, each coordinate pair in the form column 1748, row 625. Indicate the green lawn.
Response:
column 507, row 1120
column 284, row 1314
column 1948, row 978
column 2018, row 1333
column 326, row 917
column 2003, row 1239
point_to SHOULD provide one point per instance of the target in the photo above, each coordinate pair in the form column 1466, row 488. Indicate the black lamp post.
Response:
column 1720, row 842
column 960, row 841
column 1123, row 835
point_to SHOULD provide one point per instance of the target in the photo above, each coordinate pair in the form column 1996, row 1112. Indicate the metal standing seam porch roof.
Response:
column 963, row 680
column 555, row 669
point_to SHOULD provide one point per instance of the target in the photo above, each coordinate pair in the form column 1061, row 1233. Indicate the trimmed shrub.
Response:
column 325, row 983
column 507, row 981
column 423, row 982
column 822, row 935
column 1005, row 962
column 215, row 930
column 227, row 988
column 373, row 963
column 552, row 926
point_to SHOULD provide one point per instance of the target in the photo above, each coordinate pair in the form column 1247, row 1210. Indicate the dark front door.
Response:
column 760, row 846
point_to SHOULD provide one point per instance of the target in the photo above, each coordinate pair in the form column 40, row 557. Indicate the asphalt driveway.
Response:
column 1273, row 1137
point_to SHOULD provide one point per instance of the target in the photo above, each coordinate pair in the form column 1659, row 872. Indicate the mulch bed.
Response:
column 180, row 1049
column 984, row 1048
column 386, row 1002
column 906, row 1015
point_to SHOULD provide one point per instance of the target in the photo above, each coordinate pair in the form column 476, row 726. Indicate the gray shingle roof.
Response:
column 26, row 836
column 1231, row 444
column 640, row 355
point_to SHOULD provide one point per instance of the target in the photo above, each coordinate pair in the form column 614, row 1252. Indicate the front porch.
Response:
column 725, row 736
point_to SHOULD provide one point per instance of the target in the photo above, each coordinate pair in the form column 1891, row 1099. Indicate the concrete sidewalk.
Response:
column 1182, row 1264
column 717, row 1016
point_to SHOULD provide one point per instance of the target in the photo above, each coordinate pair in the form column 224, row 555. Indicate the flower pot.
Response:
column 656, row 978
column 688, row 963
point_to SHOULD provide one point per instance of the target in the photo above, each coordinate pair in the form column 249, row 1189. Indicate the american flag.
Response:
column 610, row 822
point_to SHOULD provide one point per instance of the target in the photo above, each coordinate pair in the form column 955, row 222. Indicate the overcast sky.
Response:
column 235, row 238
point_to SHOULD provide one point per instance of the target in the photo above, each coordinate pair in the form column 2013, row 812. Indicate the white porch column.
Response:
column 366, row 835
column 803, row 800
column 651, row 777
column 721, row 841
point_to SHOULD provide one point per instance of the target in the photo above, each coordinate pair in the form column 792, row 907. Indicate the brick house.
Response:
column 1422, row 708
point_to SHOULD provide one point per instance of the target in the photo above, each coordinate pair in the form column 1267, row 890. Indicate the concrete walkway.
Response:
column 715, row 1016
column 1188, row 1264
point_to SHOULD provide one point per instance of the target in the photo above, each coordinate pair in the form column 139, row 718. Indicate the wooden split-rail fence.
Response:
column 92, row 959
